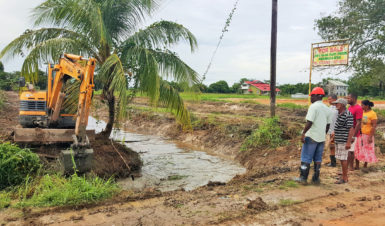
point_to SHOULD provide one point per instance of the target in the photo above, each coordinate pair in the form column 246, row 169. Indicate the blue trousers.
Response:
column 312, row 151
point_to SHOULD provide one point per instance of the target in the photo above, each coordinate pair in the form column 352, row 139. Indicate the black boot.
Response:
column 315, row 179
column 304, row 173
column 333, row 161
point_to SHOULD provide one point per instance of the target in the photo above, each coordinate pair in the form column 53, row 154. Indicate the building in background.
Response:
column 257, row 87
column 299, row 96
column 336, row 87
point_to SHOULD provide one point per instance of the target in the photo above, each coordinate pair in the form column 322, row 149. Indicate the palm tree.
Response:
column 107, row 30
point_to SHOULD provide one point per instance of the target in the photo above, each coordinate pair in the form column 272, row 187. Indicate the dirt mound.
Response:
column 110, row 158
column 258, row 204
column 9, row 115
column 114, row 159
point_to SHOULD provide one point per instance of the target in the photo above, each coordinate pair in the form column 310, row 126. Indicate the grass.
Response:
column 292, row 106
column 269, row 134
column 287, row 202
column 249, row 102
column 55, row 190
column 2, row 100
column 5, row 200
column 288, row 184
column 24, row 183
column 218, row 96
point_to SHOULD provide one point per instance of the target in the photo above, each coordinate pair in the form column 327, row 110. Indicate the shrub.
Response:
column 269, row 134
column 5, row 200
column 16, row 164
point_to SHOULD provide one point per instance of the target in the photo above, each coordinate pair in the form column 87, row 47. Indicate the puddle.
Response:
column 167, row 167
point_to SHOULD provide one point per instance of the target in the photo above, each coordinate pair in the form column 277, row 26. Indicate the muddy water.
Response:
column 167, row 167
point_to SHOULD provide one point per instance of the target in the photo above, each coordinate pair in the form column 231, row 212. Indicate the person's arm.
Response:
column 359, row 115
column 358, row 126
column 327, row 128
column 307, row 127
column 350, row 136
column 373, row 130
column 349, row 124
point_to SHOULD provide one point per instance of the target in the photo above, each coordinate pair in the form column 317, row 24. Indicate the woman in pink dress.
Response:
column 366, row 151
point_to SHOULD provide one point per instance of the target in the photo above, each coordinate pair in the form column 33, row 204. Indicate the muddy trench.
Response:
column 167, row 167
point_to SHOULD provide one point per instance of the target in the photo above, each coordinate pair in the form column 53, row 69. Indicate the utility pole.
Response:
column 273, row 56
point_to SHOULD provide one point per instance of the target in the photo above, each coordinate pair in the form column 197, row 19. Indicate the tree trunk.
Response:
column 111, row 114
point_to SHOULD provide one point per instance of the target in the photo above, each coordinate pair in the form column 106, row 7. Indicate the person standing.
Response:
column 318, row 119
column 343, row 133
column 357, row 113
column 366, row 151
column 329, row 143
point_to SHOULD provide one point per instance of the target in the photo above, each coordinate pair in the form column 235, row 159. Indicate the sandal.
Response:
column 340, row 181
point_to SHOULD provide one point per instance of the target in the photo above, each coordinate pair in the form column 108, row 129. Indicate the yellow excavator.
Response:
column 44, row 120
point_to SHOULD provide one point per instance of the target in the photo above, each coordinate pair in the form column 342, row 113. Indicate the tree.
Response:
column 219, row 87
column 288, row 89
column 236, row 88
column 362, row 22
column 200, row 87
column 107, row 30
column 1, row 67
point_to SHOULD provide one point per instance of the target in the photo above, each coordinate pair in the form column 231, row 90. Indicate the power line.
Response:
column 224, row 30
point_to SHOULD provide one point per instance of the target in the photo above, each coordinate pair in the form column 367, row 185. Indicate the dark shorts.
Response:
column 312, row 151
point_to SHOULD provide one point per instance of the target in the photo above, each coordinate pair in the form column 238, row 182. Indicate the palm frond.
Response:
column 72, row 89
column 122, row 17
column 172, row 100
column 162, row 34
column 172, row 67
column 146, row 71
column 82, row 16
column 45, row 52
column 112, row 72
column 31, row 38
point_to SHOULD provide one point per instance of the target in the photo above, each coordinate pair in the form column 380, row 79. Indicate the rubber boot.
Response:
column 304, row 173
column 333, row 161
column 315, row 179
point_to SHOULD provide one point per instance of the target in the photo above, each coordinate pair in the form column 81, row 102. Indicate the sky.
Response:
column 245, row 48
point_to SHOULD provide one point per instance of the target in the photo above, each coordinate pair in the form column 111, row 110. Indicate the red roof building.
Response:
column 256, row 87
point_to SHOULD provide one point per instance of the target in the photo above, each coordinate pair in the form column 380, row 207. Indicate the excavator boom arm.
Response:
column 72, row 66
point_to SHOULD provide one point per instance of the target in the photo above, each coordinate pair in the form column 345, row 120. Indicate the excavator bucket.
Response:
column 80, row 159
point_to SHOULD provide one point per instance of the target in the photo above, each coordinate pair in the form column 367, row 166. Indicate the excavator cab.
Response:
column 45, row 120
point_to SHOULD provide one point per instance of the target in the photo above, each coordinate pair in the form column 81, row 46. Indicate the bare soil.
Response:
column 265, row 195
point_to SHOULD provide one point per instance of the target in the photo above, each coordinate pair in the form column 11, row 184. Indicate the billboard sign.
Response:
column 331, row 55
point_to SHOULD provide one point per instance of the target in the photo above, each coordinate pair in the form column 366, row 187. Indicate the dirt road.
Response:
column 265, row 195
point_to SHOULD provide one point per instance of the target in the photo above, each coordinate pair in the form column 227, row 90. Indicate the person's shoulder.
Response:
column 373, row 113
column 357, row 107
column 348, row 114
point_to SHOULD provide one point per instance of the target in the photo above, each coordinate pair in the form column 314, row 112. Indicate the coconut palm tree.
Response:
column 108, row 30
